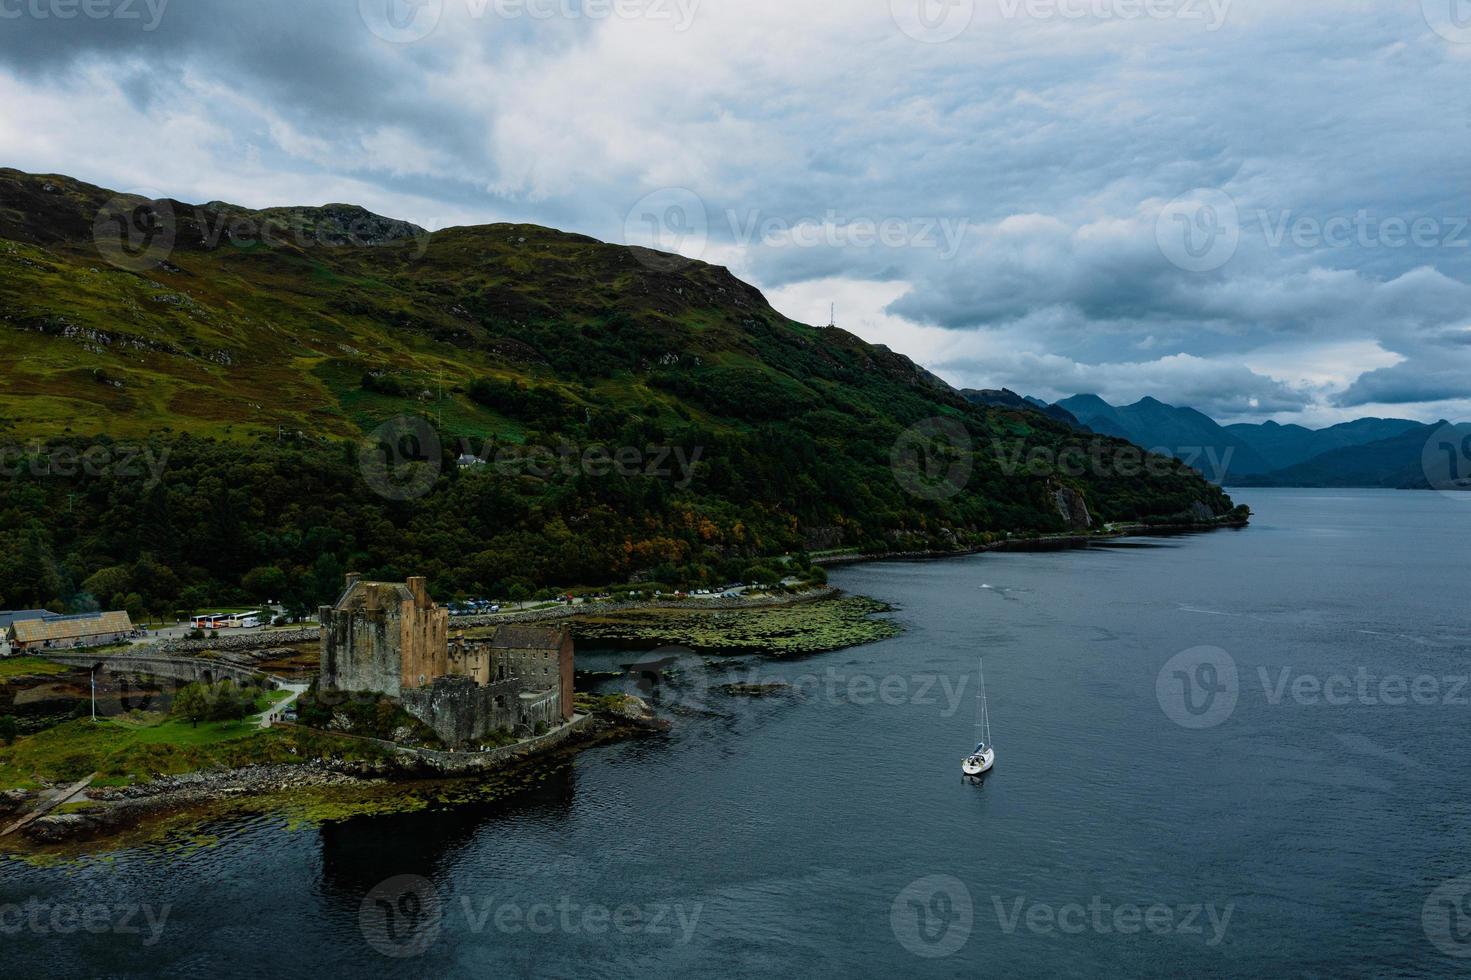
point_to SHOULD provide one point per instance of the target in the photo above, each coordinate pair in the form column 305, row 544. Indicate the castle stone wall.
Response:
column 392, row 639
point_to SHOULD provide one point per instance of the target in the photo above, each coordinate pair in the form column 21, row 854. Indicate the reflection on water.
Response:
column 360, row 852
column 825, row 831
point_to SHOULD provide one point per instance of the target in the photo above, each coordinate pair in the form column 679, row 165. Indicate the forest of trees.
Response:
column 250, row 522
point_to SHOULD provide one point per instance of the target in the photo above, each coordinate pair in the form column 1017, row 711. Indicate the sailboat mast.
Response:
column 985, row 708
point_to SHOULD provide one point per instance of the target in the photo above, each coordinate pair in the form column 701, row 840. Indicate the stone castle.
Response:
column 391, row 638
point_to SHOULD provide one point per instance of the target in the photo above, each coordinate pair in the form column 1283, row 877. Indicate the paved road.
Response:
column 272, row 716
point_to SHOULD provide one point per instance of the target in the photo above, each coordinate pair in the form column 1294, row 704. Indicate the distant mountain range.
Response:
column 1368, row 452
column 1180, row 432
column 1415, row 459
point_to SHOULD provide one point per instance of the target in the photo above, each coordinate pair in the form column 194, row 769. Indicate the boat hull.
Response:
column 978, row 765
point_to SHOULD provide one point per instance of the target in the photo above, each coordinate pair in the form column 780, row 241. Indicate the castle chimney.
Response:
column 419, row 587
column 352, row 579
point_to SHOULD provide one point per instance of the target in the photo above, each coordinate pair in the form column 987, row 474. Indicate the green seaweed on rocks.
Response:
column 792, row 630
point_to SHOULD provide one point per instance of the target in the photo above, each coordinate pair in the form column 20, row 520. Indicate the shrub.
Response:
column 383, row 384
column 225, row 701
column 191, row 703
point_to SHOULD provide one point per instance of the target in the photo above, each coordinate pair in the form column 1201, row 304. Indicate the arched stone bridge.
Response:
column 186, row 670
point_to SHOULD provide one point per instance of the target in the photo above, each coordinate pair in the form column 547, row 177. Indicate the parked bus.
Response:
column 220, row 621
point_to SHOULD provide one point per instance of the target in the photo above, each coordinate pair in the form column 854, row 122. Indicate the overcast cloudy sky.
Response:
column 1255, row 207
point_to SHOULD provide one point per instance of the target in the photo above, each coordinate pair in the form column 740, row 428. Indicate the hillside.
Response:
column 1006, row 398
column 250, row 352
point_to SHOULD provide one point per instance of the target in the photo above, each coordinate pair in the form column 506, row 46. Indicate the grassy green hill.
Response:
column 253, row 350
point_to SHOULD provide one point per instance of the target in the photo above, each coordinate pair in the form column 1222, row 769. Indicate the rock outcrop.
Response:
column 1073, row 509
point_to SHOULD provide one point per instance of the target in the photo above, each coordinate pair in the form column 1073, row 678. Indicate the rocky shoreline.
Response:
column 1047, row 542
column 246, row 649
column 106, row 813
column 716, row 604
column 102, row 813
column 113, row 809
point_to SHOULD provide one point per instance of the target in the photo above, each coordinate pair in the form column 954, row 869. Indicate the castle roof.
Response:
column 397, row 590
column 512, row 637
column 379, row 595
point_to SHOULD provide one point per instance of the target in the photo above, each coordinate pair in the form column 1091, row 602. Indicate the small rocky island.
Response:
column 384, row 708
column 391, row 640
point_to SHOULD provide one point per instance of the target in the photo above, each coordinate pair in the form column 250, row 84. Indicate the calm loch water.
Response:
column 1240, row 753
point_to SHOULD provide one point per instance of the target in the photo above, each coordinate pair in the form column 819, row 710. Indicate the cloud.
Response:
column 1023, row 166
column 1218, row 389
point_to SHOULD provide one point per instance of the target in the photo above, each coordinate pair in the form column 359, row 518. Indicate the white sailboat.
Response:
column 979, row 762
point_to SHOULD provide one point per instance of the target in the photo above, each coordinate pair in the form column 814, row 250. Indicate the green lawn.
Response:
column 269, row 699
column 181, row 733
column 30, row 667
column 139, row 748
